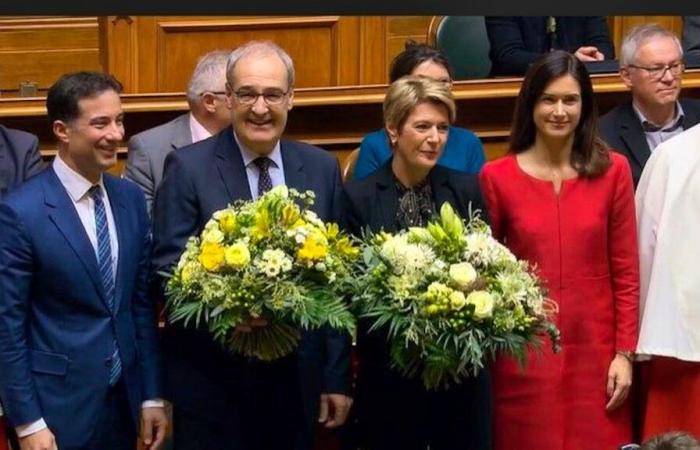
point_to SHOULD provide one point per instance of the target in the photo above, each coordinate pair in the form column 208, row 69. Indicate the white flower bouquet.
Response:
column 448, row 296
column 271, row 259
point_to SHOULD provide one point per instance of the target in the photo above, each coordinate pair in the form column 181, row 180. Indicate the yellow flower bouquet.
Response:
column 271, row 259
column 448, row 296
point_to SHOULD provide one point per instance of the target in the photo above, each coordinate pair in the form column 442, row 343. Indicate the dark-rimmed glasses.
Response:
column 272, row 97
column 658, row 72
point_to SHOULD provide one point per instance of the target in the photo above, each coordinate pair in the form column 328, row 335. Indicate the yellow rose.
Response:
column 227, row 221
column 457, row 300
column 237, row 255
column 314, row 248
column 211, row 256
column 483, row 304
column 212, row 235
column 462, row 274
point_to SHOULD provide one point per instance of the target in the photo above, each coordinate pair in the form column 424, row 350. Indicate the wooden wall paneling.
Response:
column 401, row 28
column 373, row 52
column 620, row 25
column 40, row 49
column 119, row 45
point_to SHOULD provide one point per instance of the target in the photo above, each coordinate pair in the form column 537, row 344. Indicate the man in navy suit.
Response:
column 19, row 158
column 78, row 336
column 222, row 400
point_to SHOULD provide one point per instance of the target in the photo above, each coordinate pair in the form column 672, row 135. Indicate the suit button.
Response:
column 108, row 362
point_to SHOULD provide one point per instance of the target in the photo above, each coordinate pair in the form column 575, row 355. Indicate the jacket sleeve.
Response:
column 598, row 36
column 17, row 388
column 509, row 52
column 624, row 259
column 33, row 163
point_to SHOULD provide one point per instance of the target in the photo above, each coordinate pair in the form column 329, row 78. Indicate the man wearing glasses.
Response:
column 222, row 400
column 651, row 65
column 208, row 115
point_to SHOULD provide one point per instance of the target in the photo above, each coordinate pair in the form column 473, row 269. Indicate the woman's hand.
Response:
column 619, row 381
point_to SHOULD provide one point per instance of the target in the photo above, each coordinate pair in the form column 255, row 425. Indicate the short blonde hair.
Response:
column 408, row 92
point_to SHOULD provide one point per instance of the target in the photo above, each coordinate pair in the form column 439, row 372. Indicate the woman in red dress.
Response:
column 565, row 203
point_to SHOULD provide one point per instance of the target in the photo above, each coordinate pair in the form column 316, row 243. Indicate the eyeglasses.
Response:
column 658, row 72
column 213, row 93
column 271, row 98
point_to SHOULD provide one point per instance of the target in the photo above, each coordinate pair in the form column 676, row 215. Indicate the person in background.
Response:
column 651, row 66
column 463, row 150
column 19, row 158
column 669, row 337
column 394, row 412
column 563, row 202
column 517, row 41
column 206, row 97
column 691, row 39
column 677, row 440
column 78, row 334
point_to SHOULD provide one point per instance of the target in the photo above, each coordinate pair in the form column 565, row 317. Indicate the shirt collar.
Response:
column 249, row 156
column 76, row 184
column 199, row 133
column 671, row 125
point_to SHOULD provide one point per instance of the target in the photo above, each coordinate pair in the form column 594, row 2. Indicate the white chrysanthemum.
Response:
column 312, row 218
column 273, row 261
column 405, row 257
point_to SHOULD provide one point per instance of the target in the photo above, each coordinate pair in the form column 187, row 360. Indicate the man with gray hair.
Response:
column 223, row 400
column 208, row 115
column 651, row 65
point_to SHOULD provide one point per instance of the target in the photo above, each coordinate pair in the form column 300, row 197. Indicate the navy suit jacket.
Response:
column 198, row 180
column 56, row 329
column 19, row 158
column 517, row 41
column 622, row 130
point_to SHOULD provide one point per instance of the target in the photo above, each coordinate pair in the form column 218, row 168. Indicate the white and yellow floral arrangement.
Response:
column 448, row 297
column 270, row 261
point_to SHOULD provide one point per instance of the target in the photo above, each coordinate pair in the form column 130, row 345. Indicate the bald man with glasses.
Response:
column 651, row 66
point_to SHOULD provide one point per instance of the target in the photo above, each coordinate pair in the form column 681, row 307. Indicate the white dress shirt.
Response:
column 77, row 188
column 668, row 220
column 276, row 169
column 199, row 133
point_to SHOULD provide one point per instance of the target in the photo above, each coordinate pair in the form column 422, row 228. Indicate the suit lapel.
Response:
column 633, row 136
column 293, row 166
column 63, row 214
column 387, row 202
column 182, row 135
column 229, row 163
column 119, row 211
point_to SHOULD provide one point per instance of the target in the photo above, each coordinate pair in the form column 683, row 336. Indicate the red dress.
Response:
column 584, row 244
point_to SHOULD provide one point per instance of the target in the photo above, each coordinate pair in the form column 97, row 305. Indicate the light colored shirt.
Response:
column 668, row 220
column 276, row 169
column 77, row 188
column 199, row 133
column 656, row 134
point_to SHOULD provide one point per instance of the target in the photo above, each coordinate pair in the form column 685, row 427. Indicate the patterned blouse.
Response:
column 416, row 205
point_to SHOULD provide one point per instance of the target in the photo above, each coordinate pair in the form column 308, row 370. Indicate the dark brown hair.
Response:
column 415, row 54
column 589, row 155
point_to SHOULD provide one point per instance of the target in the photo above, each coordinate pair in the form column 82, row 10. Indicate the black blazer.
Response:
column 19, row 158
column 198, row 180
column 517, row 41
column 621, row 129
column 373, row 201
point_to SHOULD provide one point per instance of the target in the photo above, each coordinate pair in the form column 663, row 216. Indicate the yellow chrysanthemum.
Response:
column 211, row 256
column 237, row 255
column 314, row 248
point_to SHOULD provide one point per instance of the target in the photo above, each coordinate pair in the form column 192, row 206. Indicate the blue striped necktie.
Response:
column 104, row 261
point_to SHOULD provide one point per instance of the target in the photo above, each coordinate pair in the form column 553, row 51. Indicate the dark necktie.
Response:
column 104, row 261
column 264, row 180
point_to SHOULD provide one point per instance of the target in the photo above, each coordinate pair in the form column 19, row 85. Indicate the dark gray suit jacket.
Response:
column 147, row 152
column 19, row 158
column 691, row 39
column 621, row 129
